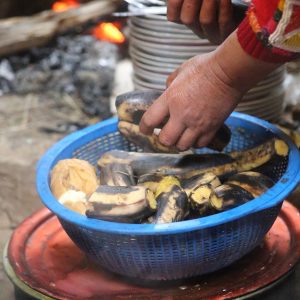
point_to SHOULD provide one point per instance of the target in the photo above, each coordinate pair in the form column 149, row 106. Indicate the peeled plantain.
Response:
column 121, row 204
column 74, row 200
column 73, row 174
column 131, row 107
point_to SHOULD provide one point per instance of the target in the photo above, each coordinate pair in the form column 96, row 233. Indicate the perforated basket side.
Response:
column 174, row 256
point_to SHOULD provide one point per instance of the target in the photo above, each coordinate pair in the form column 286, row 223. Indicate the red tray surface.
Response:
column 44, row 257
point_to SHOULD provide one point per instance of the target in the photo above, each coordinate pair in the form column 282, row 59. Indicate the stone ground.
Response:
column 22, row 143
column 24, row 121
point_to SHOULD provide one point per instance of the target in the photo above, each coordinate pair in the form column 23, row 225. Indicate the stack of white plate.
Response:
column 158, row 47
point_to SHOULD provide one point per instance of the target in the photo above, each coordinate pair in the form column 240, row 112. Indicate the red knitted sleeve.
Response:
column 254, row 32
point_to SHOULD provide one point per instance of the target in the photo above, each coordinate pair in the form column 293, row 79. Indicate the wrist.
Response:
column 238, row 69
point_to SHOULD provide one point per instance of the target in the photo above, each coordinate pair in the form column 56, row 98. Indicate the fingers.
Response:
column 190, row 11
column 174, row 10
column 171, row 132
column 204, row 140
column 226, row 24
column 154, row 116
column 208, row 20
column 187, row 139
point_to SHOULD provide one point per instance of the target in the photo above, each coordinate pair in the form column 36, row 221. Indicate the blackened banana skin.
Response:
column 121, row 204
column 187, row 166
column 147, row 163
column 150, row 181
column 254, row 182
column 228, row 196
column 117, row 174
column 149, row 143
column 131, row 106
column 172, row 206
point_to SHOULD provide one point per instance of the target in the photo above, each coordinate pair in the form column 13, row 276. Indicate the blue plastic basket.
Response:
column 177, row 250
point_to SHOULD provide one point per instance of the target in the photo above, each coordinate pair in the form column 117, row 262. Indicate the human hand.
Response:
column 197, row 101
column 212, row 19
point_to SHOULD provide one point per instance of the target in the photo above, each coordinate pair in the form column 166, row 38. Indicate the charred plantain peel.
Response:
column 149, row 143
column 228, row 196
column 172, row 201
column 121, row 204
column 253, row 182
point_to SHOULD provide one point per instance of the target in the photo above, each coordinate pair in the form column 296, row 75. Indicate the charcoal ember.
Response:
column 55, row 60
column 94, row 90
column 79, row 65
column 94, row 77
column 61, row 82
column 31, row 79
column 19, row 62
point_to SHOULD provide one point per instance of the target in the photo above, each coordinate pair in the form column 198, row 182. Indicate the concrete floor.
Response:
column 22, row 144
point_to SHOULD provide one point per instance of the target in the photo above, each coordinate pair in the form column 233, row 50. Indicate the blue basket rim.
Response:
column 273, row 197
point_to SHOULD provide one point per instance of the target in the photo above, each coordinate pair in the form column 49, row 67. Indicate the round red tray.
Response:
column 43, row 257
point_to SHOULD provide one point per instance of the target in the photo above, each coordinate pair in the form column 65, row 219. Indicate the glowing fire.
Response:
column 109, row 32
column 64, row 5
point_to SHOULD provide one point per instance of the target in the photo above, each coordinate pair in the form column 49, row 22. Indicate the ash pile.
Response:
column 78, row 65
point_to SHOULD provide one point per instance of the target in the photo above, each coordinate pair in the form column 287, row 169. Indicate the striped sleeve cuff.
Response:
column 257, row 46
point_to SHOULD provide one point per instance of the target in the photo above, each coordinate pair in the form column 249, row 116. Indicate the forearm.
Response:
column 237, row 68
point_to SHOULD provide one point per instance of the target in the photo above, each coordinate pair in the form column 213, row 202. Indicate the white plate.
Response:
column 161, row 26
column 267, row 87
column 148, row 85
column 167, row 35
column 273, row 93
column 157, row 58
column 158, row 70
column 175, row 48
column 258, row 95
column 153, row 63
column 267, row 109
column 183, row 55
column 169, row 41
column 150, row 76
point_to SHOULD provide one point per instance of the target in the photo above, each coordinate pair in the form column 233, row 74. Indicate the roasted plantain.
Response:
column 149, row 143
column 117, row 174
column 187, row 166
column 199, row 190
column 131, row 107
column 121, row 204
column 253, row 182
column 172, row 201
column 150, row 181
column 228, row 196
